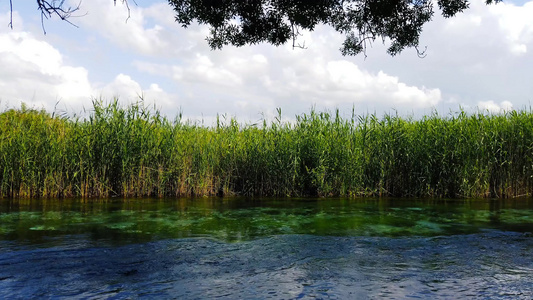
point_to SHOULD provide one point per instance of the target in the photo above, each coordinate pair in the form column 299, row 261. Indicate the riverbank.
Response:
column 134, row 151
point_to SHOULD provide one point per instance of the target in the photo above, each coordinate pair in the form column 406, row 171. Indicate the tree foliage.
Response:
column 245, row 22
column 241, row 22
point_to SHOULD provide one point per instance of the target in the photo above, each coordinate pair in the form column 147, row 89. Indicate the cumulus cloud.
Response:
column 126, row 89
column 478, row 56
column 141, row 30
column 515, row 22
column 123, row 86
column 126, row 28
column 493, row 107
column 239, row 80
column 33, row 72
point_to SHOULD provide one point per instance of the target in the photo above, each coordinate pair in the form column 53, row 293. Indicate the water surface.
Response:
column 266, row 248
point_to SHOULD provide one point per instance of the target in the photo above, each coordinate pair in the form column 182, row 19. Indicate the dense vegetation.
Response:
column 239, row 23
column 134, row 151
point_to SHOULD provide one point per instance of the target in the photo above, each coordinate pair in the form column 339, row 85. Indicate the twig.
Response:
column 295, row 34
column 11, row 14
column 49, row 8
column 127, row 6
column 421, row 54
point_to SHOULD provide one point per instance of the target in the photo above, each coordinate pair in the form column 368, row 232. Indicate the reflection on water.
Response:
column 139, row 220
column 239, row 248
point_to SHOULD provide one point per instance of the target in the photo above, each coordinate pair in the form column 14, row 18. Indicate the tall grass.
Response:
column 133, row 151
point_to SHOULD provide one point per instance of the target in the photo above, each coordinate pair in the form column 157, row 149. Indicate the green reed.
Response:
column 134, row 151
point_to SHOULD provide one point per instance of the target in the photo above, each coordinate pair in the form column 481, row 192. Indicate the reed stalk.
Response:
column 134, row 151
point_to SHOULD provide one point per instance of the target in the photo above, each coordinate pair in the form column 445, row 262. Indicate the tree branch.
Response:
column 49, row 8
column 11, row 14
column 421, row 54
column 54, row 7
column 127, row 6
column 295, row 34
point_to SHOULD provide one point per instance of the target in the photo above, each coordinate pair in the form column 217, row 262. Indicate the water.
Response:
column 279, row 249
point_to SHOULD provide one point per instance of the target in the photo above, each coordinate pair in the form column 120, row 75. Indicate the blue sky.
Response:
column 481, row 59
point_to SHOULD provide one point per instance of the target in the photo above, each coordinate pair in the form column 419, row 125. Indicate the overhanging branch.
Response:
column 50, row 8
column 11, row 14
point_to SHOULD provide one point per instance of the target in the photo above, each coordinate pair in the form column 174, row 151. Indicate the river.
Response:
column 266, row 248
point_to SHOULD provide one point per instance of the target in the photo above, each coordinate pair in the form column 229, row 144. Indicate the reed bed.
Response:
column 133, row 151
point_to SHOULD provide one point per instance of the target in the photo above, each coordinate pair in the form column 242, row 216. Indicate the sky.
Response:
column 481, row 59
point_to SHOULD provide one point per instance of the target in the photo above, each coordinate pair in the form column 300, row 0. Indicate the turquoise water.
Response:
column 266, row 248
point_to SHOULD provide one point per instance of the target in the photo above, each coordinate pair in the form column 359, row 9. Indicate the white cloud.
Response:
column 518, row 49
column 33, row 72
column 144, row 31
column 515, row 22
column 493, row 107
column 502, row 24
column 470, row 57
column 202, row 69
column 123, row 87
column 123, row 27
column 128, row 90
column 480, row 54
column 263, row 76
column 339, row 82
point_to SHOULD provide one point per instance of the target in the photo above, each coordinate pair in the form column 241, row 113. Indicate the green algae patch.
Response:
column 241, row 219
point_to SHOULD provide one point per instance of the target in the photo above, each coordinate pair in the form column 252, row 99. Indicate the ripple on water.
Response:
column 490, row 264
